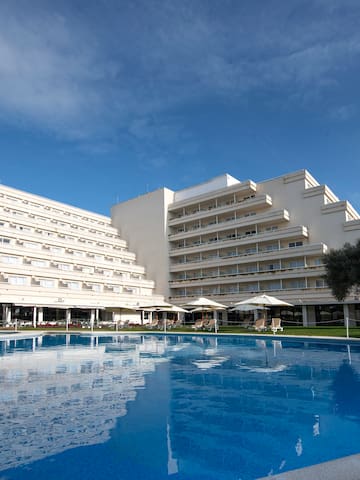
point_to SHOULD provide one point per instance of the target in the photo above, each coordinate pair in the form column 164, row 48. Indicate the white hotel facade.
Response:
column 228, row 240
column 224, row 239
column 62, row 264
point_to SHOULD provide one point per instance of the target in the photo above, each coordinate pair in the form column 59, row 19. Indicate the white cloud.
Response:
column 91, row 73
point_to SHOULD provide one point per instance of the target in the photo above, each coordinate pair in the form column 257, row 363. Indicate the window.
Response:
column 73, row 285
column 22, row 228
column 35, row 246
column 88, row 270
column 251, row 268
column 18, row 280
column 296, row 263
column 10, row 259
column 274, row 286
column 318, row 261
column 272, row 266
column 44, row 282
column 320, row 283
column 56, row 249
column 4, row 240
column 39, row 263
column 295, row 244
column 297, row 284
column 271, row 248
column 65, row 266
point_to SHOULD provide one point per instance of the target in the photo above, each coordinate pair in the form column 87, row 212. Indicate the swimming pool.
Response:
column 183, row 407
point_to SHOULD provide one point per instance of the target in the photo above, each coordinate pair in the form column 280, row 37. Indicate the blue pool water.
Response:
column 183, row 407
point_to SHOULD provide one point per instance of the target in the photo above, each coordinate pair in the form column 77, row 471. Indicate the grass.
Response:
column 304, row 331
column 295, row 331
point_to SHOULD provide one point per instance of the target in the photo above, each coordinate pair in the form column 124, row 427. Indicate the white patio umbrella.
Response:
column 247, row 307
column 206, row 304
column 175, row 308
column 264, row 301
column 161, row 306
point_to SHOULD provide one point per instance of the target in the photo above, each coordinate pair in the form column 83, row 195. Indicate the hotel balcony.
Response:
column 298, row 232
column 246, row 276
column 310, row 250
column 56, row 212
column 199, row 244
column 41, row 229
column 295, row 296
column 235, row 207
column 206, row 201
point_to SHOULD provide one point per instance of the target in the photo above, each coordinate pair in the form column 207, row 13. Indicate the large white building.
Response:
column 228, row 239
column 61, row 263
column 225, row 239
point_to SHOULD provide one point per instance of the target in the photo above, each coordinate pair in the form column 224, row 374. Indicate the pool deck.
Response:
column 346, row 468
column 19, row 335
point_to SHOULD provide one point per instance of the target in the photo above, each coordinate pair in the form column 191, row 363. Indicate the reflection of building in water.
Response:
column 61, row 398
column 261, row 407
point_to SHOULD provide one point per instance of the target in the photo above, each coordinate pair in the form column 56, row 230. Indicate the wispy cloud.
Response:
column 85, row 73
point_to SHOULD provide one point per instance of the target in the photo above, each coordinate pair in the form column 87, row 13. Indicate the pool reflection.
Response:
column 192, row 407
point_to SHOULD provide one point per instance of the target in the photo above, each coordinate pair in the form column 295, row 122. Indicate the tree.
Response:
column 343, row 270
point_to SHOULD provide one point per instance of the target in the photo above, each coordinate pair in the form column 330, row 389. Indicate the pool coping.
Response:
column 342, row 468
column 18, row 335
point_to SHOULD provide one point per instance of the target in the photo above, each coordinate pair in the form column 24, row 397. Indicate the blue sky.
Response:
column 101, row 101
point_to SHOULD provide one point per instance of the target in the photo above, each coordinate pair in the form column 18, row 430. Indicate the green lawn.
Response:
column 296, row 331
column 303, row 331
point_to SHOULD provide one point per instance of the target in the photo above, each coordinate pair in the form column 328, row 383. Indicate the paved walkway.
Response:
column 346, row 468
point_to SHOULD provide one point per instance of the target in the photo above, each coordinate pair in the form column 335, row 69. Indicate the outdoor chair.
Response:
column 260, row 325
column 124, row 324
column 210, row 326
column 154, row 324
column 198, row 325
column 276, row 325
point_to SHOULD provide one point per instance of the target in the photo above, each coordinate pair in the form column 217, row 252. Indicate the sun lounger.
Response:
column 198, row 325
column 260, row 325
column 276, row 325
column 153, row 324
column 210, row 326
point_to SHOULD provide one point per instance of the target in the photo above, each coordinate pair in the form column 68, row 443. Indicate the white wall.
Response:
column 142, row 222
column 306, row 209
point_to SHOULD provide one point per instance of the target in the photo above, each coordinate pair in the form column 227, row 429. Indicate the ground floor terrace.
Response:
column 18, row 316
column 319, row 315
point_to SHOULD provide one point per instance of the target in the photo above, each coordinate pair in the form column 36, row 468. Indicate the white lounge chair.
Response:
column 154, row 324
column 276, row 325
column 210, row 326
column 260, row 325
column 198, row 325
